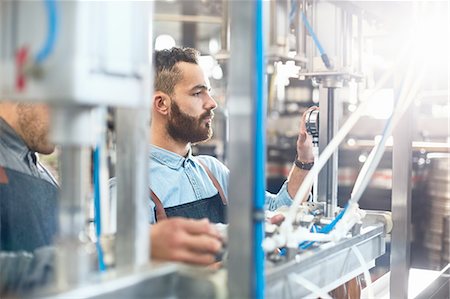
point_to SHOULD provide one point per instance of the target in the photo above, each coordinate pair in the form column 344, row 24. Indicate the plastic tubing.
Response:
column 328, row 151
column 52, row 32
column 407, row 94
column 97, row 217
column 303, row 190
column 259, row 156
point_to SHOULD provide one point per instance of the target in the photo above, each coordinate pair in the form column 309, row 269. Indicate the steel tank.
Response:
column 436, row 233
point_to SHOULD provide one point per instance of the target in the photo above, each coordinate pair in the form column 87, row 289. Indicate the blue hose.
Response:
column 324, row 230
column 259, row 153
column 293, row 11
column 323, row 55
column 52, row 32
column 97, row 214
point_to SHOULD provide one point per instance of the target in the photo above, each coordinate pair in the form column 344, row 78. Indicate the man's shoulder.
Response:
column 213, row 163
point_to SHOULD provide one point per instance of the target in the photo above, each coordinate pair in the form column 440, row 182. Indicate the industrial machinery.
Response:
column 97, row 55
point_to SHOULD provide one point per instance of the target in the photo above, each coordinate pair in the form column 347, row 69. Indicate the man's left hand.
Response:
column 304, row 140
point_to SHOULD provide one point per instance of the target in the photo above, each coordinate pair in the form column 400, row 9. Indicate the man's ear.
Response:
column 161, row 103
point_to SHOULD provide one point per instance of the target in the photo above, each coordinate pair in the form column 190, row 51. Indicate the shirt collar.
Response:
column 12, row 140
column 169, row 158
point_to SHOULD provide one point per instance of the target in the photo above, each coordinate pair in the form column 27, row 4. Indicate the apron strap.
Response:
column 160, row 212
column 3, row 177
column 215, row 182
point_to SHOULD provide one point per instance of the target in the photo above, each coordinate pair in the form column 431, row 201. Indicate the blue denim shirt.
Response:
column 178, row 180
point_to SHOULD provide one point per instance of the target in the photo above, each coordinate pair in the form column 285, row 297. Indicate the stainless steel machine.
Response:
column 81, row 57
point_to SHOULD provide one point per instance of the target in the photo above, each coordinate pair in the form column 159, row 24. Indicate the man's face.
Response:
column 191, row 109
column 34, row 126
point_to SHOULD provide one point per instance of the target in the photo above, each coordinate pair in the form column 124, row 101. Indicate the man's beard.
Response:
column 34, row 126
column 186, row 128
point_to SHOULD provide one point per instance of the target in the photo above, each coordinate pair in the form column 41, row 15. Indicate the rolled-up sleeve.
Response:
column 282, row 198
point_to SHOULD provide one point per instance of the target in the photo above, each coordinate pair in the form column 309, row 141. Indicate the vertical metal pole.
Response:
column 401, row 206
column 327, row 186
column 241, row 269
column 360, row 42
column 310, row 47
column 71, row 129
column 300, row 41
column 132, row 239
column 72, row 239
column 225, row 31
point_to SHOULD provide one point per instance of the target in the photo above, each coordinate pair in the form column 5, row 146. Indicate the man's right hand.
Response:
column 185, row 240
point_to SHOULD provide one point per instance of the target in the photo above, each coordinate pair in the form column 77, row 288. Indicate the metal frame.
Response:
column 240, row 104
column 132, row 238
column 315, row 265
column 327, row 184
column 401, row 206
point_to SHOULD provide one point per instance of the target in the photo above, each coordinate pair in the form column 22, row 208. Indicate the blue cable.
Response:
column 259, row 152
column 324, row 230
column 52, row 32
column 293, row 11
column 313, row 34
column 323, row 55
column 97, row 215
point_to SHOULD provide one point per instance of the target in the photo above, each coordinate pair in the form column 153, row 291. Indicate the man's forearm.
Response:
column 295, row 179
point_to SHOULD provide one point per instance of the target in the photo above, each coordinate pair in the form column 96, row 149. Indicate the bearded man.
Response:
column 196, row 186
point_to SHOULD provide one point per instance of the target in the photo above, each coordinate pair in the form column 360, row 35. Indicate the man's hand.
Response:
column 304, row 154
column 304, row 140
column 277, row 219
column 185, row 240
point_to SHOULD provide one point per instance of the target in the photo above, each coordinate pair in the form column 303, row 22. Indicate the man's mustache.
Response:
column 209, row 114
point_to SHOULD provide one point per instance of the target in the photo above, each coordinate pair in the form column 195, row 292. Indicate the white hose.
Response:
column 330, row 149
column 316, row 178
column 365, row 269
column 287, row 226
column 317, row 292
column 407, row 94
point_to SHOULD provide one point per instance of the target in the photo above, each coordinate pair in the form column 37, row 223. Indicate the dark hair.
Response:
column 167, row 74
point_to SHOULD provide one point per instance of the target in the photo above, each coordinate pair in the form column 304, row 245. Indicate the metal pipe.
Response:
column 72, row 243
column 72, row 130
column 242, row 94
column 299, row 30
column 300, row 41
column 327, row 185
column 132, row 238
column 273, row 26
column 225, row 30
column 360, row 43
column 309, row 14
column 401, row 207
column 345, row 49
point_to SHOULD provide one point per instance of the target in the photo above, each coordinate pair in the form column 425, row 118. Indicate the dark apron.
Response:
column 28, row 211
column 213, row 208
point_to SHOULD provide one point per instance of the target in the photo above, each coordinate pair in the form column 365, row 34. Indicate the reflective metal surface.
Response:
column 437, row 219
column 328, row 117
column 132, row 238
column 401, row 207
column 328, row 266
column 240, row 104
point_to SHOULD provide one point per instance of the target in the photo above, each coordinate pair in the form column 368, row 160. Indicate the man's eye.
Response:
column 197, row 93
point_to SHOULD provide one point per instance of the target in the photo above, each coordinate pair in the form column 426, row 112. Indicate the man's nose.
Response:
column 210, row 104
